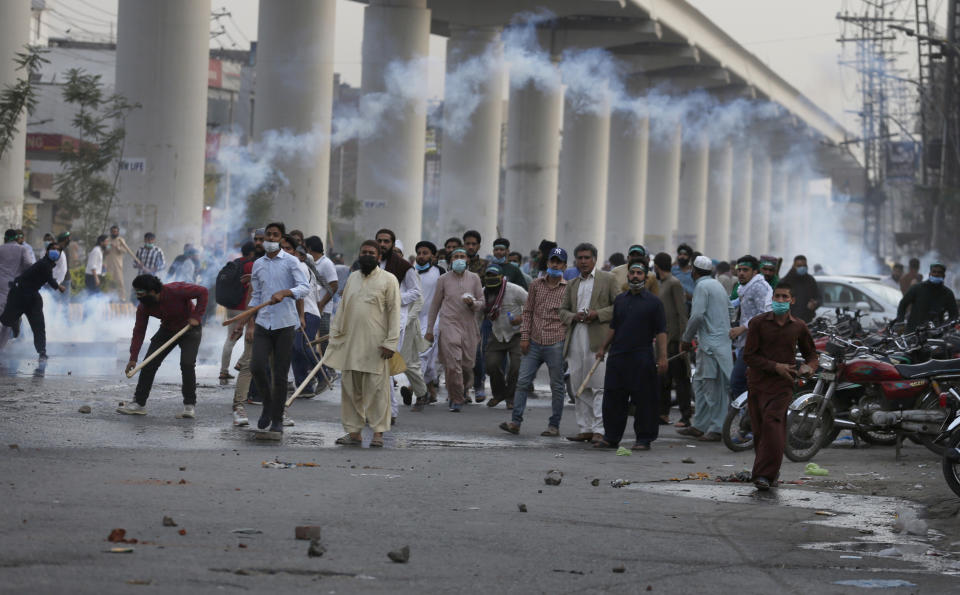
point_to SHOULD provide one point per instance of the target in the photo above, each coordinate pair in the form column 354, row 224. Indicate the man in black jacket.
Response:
column 24, row 298
column 928, row 300
column 806, row 293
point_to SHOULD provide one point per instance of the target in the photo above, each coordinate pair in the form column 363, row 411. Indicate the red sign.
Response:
column 49, row 143
column 215, row 74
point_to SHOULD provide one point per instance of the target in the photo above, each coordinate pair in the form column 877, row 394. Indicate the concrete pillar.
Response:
column 760, row 205
column 780, row 212
column 692, row 207
column 14, row 34
column 740, row 230
column 627, row 182
column 295, row 94
column 390, row 160
column 162, row 63
column 533, row 161
column 470, row 150
column 663, row 188
column 799, row 233
column 716, row 242
column 584, row 163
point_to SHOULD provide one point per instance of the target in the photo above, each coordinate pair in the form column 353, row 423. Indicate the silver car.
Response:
column 877, row 300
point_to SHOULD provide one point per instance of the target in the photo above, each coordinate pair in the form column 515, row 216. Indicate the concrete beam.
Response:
column 14, row 34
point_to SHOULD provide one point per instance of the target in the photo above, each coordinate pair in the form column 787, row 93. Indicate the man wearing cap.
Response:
column 631, row 375
column 710, row 324
column 503, row 307
column 541, row 341
column 635, row 253
column 928, row 301
column 457, row 299
column 754, row 297
column 429, row 276
column 586, row 311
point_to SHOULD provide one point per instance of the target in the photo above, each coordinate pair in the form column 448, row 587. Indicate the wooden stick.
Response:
column 320, row 340
column 315, row 358
column 673, row 357
column 306, row 381
column 163, row 348
column 123, row 244
column 583, row 385
column 245, row 314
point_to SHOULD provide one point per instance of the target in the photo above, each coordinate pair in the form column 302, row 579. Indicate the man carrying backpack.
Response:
column 245, row 376
column 230, row 293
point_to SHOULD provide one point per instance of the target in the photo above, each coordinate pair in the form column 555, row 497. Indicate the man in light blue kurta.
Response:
column 710, row 323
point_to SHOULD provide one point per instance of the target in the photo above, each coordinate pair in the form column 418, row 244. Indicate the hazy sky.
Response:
column 796, row 37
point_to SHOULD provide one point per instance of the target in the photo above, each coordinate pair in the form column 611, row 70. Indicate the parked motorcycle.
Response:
column 896, row 400
column 951, row 456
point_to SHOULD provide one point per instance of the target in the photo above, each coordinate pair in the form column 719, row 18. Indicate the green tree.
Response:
column 20, row 96
column 88, row 183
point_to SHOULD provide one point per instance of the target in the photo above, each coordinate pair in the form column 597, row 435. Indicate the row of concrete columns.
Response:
column 574, row 173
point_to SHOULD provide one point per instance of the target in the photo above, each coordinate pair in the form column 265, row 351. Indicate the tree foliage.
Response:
column 20, row 96
column 90, row 176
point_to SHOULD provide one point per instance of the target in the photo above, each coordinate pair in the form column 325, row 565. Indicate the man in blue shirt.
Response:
column 631, row 377
column 683, row 270
column 278, row 280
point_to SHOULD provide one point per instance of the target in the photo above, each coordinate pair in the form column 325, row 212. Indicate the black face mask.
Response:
column 148, row 300
column 367, row 263
column 683, row 261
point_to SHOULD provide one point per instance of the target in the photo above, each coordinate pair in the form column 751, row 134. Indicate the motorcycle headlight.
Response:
column 827, row 363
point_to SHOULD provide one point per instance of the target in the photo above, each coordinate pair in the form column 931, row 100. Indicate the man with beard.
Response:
column 683, row 270
column 245, row 376
column 754, row 297
column 501, row 253
column 477, row 265
column 364, row 334
column 24, row 298
column 113, row 262
column 503, row 307
column 635, row 253
column 458, row 297
column 173, row 305
column 411, row 302
column 429, row 275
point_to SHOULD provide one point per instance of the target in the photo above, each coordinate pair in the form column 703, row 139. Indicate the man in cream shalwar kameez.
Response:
column 365, row 329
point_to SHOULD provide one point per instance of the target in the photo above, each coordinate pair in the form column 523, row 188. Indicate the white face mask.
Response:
column 271, row 246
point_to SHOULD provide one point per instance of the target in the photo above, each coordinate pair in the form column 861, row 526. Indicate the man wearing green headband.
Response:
column 754, row 297
column 636, row 252
column 928, row 301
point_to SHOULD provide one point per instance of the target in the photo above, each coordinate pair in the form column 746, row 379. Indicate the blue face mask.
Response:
column 552, row 272
column 53, row 255
column 459, row 266
column 937, row 280
column 422, row 267
column 496, row 260
column 801, row 270
column 780, row 308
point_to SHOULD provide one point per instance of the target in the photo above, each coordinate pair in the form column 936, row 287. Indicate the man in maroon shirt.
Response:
column 773, row 340
column 173, row 305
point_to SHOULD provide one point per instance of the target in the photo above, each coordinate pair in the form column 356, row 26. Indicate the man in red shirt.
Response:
column 245, row 376
column 173, row 305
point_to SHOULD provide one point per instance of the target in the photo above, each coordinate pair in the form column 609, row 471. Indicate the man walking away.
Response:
column 244, row 375
column 770, row 352
column 173, row 305
column 364, row 334
column 504, row 309
column 673, row 295
column 541, row 342
column 231, row 294
column 329, row 286
column 278, row 280
column 911, row 277
column 631, row 376
column 150, row 256
column 710, row 324
column 928, row 301
column 94, row 271
column 24, row 298
column 806, row 292
column 586, row 311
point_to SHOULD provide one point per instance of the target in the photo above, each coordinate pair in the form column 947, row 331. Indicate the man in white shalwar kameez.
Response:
column 364, row 334
column 429, row 275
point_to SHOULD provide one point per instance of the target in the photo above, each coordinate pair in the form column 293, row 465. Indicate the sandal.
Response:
column 683, row 423
column 640, row 446
column 376, row 443
column 348, row 440
column 602, row 444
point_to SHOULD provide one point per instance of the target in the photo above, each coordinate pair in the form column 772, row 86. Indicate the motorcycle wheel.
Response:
column 951, row 469
column 878, row 438
column 806, row 434
column 736, row 430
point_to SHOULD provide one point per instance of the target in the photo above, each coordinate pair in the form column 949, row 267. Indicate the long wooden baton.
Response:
column 315, row 358
column 583, row 385
column 126, row 248
column 306, row 381
column 673, row 357
column 245, row 314
column 320, row 340
column 163, row 348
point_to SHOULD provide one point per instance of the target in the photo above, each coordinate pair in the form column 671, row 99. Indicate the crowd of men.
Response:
column 615, row 337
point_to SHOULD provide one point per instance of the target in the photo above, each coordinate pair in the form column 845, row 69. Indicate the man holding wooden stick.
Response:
column 173, row 305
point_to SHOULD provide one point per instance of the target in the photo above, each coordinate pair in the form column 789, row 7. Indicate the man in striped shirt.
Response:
column 150, row 257
column 541, row 341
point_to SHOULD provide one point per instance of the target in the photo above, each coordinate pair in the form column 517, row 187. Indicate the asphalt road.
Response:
column 449, row 487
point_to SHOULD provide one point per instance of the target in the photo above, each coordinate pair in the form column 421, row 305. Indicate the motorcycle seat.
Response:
column 934, row 367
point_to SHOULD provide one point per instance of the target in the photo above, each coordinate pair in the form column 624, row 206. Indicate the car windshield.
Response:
column 884, row 292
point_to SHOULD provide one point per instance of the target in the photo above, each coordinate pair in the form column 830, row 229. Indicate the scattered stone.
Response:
column 119, row 536
column 183, row 468
column 306, row 532
column 890, row 552
column 619, row 483
column 182, row 482
column 522, row 507
column 182, row 531
column 595, row 482
column 84, row 409
column 120, row 550
column 688, row 460
column 169, row 522
column 247, row 531
column 553, row 478
column 401, row 555
column 242, row 545
column 619, row 569
column 135, row 581
column 316, row 550
column 14, row 446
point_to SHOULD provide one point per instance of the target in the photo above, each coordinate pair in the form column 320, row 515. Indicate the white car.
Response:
column 877, row 300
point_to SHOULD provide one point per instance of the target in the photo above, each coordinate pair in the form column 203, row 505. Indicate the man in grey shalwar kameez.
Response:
column 710, row 323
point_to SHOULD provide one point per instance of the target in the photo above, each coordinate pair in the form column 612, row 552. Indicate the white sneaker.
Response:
column 189, row 412
column 287, row 421
column 132, row 408
column 240, row 417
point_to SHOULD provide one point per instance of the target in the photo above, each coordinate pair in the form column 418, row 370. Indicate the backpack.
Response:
column 229, row 289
